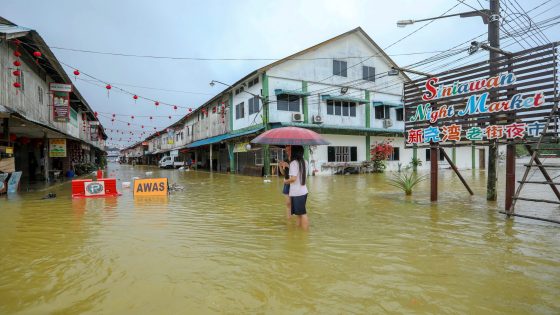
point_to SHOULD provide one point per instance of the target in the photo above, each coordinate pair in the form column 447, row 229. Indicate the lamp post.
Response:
column 491, row 17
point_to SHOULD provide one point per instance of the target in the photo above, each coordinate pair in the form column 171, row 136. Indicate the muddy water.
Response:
column 223, row 246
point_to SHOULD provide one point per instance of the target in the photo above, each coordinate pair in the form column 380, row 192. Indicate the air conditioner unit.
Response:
column 298, row 117
column 317, row 119
column 387, row 123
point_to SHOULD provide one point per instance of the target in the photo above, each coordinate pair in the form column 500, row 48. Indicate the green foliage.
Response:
column 415, row 162
column 406, row 181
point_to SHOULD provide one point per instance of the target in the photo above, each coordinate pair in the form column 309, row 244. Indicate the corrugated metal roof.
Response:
column 11, row 31
column 220, row 138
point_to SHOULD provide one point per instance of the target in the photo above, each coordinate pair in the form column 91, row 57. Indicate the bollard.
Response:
column 99, row 174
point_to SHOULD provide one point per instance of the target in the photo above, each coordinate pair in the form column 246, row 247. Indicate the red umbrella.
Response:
column 290, row 136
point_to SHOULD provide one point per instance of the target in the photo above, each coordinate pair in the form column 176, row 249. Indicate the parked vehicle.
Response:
column 170, row 162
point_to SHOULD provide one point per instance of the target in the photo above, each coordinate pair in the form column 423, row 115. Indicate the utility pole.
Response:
column 494, row 41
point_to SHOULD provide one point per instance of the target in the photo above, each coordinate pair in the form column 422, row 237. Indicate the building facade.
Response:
column 46, row 133
column 344, row 88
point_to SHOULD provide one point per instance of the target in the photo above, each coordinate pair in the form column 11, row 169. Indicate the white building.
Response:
column 343, row 88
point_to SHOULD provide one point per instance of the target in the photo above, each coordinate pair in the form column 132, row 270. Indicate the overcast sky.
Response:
column 228, row 29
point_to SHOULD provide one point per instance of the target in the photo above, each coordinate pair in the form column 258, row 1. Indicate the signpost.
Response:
column 506, row 100
column 150, row 187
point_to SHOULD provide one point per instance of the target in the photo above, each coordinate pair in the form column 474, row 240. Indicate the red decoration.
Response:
column 17, row 54
column 157, row 103
column 175, row 107
column 108, row 87
column 213, row 109
column 142, row 126
column 13, row 137
column 135, row 97
column 17, row 73
column 128, row 124
column 95, row 114
column 37, row 54
column 76, row 72
column 169, row 117
column 24, row 140
column 17, row 85
column 150, row 117
column 17, row 63
column 190, row 110
column 17, row 42
column 132, row 117
column 112, row 119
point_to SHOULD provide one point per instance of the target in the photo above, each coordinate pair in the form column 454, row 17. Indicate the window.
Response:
column 240, row 110
column 441, row 158
column 368, row 73
column 395, row 156
column 341, row 108
column 342, row 154
column 287, row 102
column 253, row 82
column 239, row 90
column 400, row 114
column 339, row 68
column 382, row 112
column 40, row 95
column 253, row 105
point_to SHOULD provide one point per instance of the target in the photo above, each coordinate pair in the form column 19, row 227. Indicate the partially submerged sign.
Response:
column 94, row 188
column 479, row 104
column 150, row 187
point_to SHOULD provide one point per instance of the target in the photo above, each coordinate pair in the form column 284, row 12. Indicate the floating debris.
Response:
column 176, row 187
column 50, row 195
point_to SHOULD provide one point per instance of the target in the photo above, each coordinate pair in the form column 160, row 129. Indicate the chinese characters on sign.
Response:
column 453, row 132
column 57, row 147
column 475, row 104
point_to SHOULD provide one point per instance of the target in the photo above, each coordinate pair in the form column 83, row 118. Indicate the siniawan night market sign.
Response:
column 476, row 103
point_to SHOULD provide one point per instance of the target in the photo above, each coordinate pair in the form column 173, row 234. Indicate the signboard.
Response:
column 13, row 182
column 240, row 147
column 9, row 150
column 94, row 188
column 479, row 104
column 150, row 187
column 174, row 153
column 60, row 87
column 57, row 147
column 61, row 106
column 93, row 132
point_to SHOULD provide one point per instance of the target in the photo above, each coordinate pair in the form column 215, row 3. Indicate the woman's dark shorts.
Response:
column 286, row 189
column 298, row 205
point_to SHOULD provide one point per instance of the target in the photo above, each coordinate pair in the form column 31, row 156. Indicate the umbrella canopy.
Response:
column 290, row 136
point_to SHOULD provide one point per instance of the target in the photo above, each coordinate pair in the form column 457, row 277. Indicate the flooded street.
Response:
column 223, row 246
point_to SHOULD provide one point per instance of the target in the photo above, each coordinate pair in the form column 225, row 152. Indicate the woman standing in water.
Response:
column 298, row 189
column 284, row 170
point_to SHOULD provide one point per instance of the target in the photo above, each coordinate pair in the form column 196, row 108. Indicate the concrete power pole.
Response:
column 494, row 41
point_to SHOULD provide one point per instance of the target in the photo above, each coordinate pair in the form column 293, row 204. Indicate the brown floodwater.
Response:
column 223, row 246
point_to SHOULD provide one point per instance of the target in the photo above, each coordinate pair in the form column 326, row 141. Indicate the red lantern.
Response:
column 17, row 85
column 150, row 117
column 17, row 73
column 24, row 140
column 157, row 103
column 76, row 72
column 108, row 87
column 175, row 107
column 142, row 126
column 135, row 97
column 128, row 124
column 113, row 115
column 190, row 110
column 169, row 117
column 17, row 54
column 213, row 109
column 17, row 42
column 112, row 119
column 17, row 63
column 13, row 137
column 132, row 117
column 37, row 54
column 95, row 114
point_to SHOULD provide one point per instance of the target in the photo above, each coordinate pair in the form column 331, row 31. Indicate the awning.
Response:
column 343, row 98
column 338, row 129
column 390, row 104
column 291, row 92
column 220, row 138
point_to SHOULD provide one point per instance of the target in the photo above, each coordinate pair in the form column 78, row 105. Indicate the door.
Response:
column 481, row 159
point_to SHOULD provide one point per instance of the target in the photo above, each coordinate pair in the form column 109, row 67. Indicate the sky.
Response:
column 233, row 29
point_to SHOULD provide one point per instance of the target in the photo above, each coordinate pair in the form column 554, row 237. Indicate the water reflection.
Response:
column 223, row 246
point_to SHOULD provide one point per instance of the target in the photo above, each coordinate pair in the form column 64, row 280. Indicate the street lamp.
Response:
column 485, row 14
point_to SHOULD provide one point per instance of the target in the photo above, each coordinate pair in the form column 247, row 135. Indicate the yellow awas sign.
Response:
column 150, row 187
